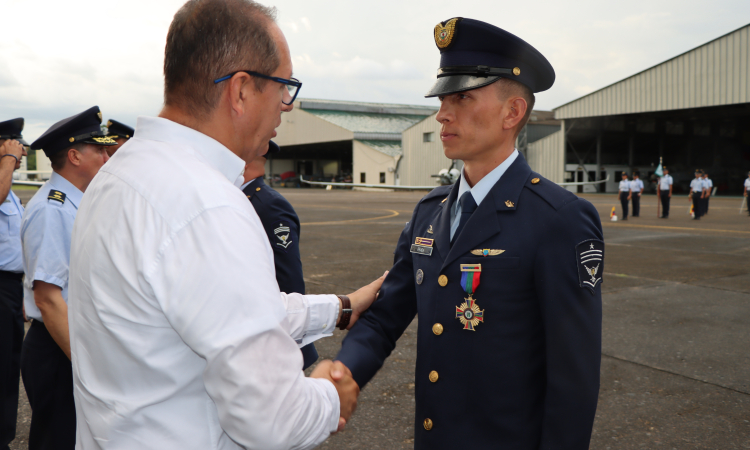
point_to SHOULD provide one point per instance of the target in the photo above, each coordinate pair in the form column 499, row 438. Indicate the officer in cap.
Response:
column 696, row 195
column 120, row 132
column 77, row 148
column 12, row 150
column 504, row 269
column 636, row 189
column 281, row 224
column 665, row 191
column 746, row 189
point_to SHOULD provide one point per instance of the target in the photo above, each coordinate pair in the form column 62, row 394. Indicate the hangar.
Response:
column 692, row 111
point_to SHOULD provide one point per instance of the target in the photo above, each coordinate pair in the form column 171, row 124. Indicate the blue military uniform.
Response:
column 11, row 298
column 46, row 233
column 282, row 227
column 636, row 187
column 509, row 337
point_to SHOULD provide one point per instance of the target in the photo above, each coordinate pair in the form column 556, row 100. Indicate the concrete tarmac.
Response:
column 675, row 360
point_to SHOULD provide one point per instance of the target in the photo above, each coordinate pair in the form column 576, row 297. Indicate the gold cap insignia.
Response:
column 535, row 180
column 487, row 252
column 104, row 140
column 109, row 123
column 516, row 71
column 99, row 115
column 444, row 34
column 509, row 203
column 72, row 139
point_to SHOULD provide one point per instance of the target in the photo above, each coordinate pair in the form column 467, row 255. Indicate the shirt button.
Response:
column 443, row 280
column 427, row 424
column 325, row 325
column 437, row 329
column 433, row 376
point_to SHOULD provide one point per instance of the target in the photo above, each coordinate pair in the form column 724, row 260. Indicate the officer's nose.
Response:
column 445, row 113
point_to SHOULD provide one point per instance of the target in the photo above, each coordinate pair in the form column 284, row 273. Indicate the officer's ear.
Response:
column 516, row 107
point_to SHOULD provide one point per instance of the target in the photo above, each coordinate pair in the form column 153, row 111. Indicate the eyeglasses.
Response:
column 293, row 85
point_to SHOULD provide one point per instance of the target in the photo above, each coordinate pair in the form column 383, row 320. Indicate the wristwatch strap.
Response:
column 346, row 311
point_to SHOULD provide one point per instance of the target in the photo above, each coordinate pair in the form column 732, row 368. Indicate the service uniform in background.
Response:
column 709, row 188
column 46, row 232
column 696, row 185
column 282, row 227
column 636, row 187
column 11, row 298
column 120, row 132
column 624, row 189
column 509, row 338
column 747, row 190
column 665, row 186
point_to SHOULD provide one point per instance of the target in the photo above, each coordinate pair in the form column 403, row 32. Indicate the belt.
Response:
column 11, row 275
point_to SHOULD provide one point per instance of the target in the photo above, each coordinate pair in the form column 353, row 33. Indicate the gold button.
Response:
column 257, row 189
column 516, row 71
column 535, row 180
column 437, row 329
column 443, row 280
column 433, row 376
column 427, row 424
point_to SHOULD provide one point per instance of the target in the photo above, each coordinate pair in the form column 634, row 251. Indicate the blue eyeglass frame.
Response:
column 290, row 82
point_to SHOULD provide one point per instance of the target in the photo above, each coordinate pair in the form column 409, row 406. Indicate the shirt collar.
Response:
column 211, row 151
column 242, row 188
column 61, row 184
column 483, row 186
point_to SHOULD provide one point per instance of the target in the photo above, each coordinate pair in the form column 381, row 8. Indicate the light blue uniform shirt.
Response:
column 45, row 232
column 480, row 190
column 636, row 185
column 697, row 185
column 11, row 254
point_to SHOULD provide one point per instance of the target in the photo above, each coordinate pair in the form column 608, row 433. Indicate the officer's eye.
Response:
column 440, row 99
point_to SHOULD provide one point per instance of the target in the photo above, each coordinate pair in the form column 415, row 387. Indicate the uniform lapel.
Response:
column 442, row 223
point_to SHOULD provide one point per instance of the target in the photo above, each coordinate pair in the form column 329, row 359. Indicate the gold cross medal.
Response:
column 469, row 313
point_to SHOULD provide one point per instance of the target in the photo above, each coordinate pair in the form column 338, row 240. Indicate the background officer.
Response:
column 636, row 188
column 504, row 269
column 120, row 132
column 709, row 187
column 665, row 191
column 76, row 148
column 697, row 193
column 625, row 194
column 11, row 273
column 282, row 227
column 746, row 190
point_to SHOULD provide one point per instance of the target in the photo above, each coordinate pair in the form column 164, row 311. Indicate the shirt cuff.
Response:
column 324, row 313
column 333, row 396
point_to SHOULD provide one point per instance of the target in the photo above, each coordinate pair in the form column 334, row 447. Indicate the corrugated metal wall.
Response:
column 422, row 159
column 714, row 74
column 547, row 156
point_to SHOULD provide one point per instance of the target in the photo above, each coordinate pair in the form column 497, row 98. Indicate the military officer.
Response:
column 76, row 148
column 12, row 150
column 625, row 194
column 282, row 227
column 709, row 185
column 504, row 269
column 636, row 188
column 697, row 193
column 665, row 191
column 120, row 132
column 745, row 191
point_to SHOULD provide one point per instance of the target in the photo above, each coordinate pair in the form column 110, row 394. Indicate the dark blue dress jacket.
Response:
column 527, row 377
column 282, row 227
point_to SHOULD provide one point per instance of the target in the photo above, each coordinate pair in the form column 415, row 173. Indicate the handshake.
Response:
column 336, row 372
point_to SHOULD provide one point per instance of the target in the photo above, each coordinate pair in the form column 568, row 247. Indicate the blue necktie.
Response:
column 468, row 205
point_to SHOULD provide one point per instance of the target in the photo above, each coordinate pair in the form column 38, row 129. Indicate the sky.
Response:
column 59, row 58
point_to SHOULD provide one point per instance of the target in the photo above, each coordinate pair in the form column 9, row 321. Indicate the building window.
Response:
column 362, row 177
column 427, row 137
column 382, row 177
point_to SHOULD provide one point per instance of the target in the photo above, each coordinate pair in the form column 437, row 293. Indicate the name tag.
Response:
column 421, row 249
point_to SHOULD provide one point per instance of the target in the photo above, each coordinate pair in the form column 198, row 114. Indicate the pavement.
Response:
column 675, row 359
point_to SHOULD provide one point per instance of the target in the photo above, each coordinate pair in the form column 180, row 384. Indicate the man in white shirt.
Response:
column 636, row 188
column 665, row 191
column 709, row 187
column 624, row 194
column 747, row 189
column 697, row 194
column 180, row 337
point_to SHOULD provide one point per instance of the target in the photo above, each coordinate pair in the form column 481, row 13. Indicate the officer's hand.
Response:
column 25, row 318
column 11, row 147
column 348, row 390
column 363, row 298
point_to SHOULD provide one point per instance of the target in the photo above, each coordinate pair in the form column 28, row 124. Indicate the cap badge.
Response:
column 104, row 140
column 444, row 34
column 516, row 71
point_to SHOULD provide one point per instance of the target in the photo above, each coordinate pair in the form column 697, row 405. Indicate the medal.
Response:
column 469, row 313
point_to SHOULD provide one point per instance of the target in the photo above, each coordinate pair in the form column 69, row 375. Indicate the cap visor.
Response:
column 458, row 83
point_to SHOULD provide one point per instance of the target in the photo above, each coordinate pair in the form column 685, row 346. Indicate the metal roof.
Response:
column 390, row 148
column 368, row 122
column 379, row 108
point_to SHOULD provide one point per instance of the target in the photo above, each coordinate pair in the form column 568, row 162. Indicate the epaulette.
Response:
column 56, row 195
column 441, row 191
column 556, row 196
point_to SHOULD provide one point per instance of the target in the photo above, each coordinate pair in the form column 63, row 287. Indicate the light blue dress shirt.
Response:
column 45, row 233
column 11, row 254
column 480, row 190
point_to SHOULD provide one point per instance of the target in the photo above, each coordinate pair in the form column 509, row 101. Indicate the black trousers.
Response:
column 11, row 339
column 48, row 379
column 664, row 202
column 697, row 205
column 705, row 205
column 636, row 204
column 624, row 203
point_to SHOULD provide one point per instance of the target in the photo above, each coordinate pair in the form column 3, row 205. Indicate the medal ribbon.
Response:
column 470, row 280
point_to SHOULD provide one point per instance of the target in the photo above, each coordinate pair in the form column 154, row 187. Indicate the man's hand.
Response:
column 341, row 377
column 363, row 297
column 11, row 147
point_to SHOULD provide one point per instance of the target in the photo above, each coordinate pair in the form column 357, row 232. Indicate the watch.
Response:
column 346, row 311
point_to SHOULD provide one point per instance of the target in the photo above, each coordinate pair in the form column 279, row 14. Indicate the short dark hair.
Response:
column 209, row 39
column 507, row 88
column 59, row 159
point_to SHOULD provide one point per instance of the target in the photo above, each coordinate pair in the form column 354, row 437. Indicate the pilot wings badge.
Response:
column 590, row 257
column 284, row 238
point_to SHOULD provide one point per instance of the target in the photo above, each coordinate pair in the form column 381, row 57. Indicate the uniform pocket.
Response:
column 9, row 219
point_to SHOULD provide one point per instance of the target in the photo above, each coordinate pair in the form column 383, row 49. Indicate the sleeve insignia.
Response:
column 590, row 261
column 56, row 195
column 282, row 233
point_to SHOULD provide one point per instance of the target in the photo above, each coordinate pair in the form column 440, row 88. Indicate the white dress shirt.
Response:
column 180, row 337
column 697, row 185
